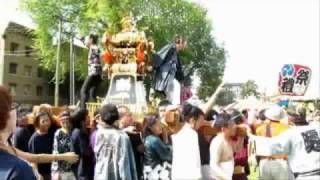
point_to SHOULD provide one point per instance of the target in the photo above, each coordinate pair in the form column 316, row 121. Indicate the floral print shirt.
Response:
column 61, row 144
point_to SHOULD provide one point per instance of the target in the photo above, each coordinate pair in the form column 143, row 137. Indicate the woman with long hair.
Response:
column 158, row 154
column 11, row 166
column 14, row 156
column 55, row 123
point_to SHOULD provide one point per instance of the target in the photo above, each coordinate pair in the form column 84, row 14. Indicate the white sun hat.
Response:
column 275, row 113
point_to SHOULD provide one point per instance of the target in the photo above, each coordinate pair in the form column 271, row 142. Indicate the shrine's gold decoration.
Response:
column 129, row 46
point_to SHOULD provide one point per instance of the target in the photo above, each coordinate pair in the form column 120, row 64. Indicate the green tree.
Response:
column 46, row 15
column 250, row 88
column 161, row 20
column 49, row 16
column 210, row 73
column 225, row 97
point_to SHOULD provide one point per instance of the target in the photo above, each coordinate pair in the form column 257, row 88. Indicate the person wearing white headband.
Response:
column 62, row 144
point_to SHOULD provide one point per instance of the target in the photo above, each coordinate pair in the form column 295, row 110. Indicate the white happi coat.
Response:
column 186, row 162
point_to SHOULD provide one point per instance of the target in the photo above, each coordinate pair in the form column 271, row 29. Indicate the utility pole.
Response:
column 73, row 78
column 70, row 71
column 56, row 90
column 72, row 86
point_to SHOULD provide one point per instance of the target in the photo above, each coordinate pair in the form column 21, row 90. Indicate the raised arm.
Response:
column 276, row 145
column 212, row 99
column 46, row 158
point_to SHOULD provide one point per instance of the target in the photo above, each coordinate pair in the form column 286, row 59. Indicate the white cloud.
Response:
column 11, row 11
column 262, row 35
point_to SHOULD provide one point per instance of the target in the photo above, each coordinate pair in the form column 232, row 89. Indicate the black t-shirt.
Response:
column 21, row 138
column 41, row 144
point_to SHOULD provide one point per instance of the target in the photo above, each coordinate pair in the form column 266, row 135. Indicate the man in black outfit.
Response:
column 168, row 73
column 93, row 80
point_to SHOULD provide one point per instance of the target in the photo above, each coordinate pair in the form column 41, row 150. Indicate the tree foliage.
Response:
column 161, row 20
column 46, row 15
column 225, row 97
column 210, row 73
column 250, row 88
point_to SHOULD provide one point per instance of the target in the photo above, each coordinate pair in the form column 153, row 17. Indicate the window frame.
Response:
column 16, row 68
column 39, row 72
column 26, row 67
column 10, row 88
column 28, row 51
column 41, row 91
column 29, row 90
column 14, row 47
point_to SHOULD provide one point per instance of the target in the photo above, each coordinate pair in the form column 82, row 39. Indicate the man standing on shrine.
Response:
column 169, row 76
column 90, row 85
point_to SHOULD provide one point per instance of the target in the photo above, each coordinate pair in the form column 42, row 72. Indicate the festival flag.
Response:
column 294, row 79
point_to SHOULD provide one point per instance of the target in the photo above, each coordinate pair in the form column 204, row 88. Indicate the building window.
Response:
column 50, row 91
column 39, row 91
column 28, row 51
column 39, row 72
column 14, row 47
column 13, row 89
column 27, row 89
column 13, row 68
column 28, row 71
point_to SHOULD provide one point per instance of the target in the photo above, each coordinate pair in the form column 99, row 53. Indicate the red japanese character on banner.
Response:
column 294, row 79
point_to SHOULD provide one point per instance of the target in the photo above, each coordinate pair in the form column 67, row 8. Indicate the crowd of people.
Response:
column 69, row 147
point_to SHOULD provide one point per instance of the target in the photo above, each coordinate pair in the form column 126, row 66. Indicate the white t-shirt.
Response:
column 186, row 162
